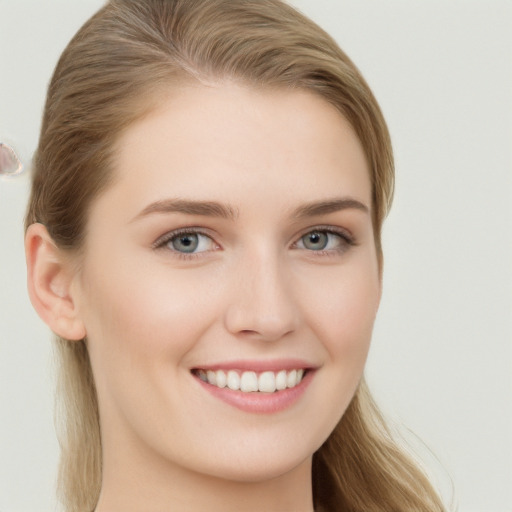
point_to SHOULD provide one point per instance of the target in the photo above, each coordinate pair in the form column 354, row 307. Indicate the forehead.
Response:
column 232, row 143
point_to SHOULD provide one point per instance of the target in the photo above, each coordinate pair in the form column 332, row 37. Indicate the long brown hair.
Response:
column 111, row 74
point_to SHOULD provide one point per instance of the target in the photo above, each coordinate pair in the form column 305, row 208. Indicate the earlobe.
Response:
column 49, row 279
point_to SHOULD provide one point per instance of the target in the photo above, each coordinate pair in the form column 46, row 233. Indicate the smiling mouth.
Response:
column 252, row 382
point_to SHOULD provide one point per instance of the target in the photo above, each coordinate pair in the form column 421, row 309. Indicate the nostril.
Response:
column 261, row 310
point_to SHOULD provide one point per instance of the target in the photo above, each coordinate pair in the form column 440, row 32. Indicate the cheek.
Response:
column 342, row 313
column 137, row 318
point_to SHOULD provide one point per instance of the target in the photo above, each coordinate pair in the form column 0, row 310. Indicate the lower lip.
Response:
column 259, row 402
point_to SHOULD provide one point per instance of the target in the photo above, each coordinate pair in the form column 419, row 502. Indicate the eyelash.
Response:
column 162, row 242
column 347, row 241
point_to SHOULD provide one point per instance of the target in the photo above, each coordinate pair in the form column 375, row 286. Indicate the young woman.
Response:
column 203, row 236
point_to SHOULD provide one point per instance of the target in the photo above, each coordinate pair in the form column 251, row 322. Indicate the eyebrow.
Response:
column 203, row 208
column 329, row 206
column 215, row 209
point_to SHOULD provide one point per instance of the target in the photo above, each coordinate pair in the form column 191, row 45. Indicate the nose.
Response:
column 262, row 305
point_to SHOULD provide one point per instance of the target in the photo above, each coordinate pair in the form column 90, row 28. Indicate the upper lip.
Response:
column 273, row 365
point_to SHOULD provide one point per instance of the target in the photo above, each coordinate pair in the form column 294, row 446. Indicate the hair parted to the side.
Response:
column 110, row 75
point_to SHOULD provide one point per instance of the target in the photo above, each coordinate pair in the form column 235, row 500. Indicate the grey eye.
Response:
column 316, row 240
column 10, row 164
column 187, row 242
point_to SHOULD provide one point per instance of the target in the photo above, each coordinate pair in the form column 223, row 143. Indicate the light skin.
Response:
column 274, row 188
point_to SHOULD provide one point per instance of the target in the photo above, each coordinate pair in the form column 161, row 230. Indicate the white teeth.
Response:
column 267, row 382
column 281, row 380
column 222, row 380
column 291, row 379
column 233, row 380
column 250, row 381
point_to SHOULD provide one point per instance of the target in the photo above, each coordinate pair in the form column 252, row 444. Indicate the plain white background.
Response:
column 441, row 362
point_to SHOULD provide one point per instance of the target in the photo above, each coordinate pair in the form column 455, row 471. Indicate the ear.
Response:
column 50, row 278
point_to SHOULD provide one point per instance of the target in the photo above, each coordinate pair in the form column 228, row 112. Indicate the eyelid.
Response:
column 348, row 239
column 336, row 230
column 160, row 242
column 343, row 233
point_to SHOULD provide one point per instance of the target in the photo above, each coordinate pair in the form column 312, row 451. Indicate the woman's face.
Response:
column 235, row 245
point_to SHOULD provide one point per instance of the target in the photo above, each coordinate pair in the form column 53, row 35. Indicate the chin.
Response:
column 263, row 470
